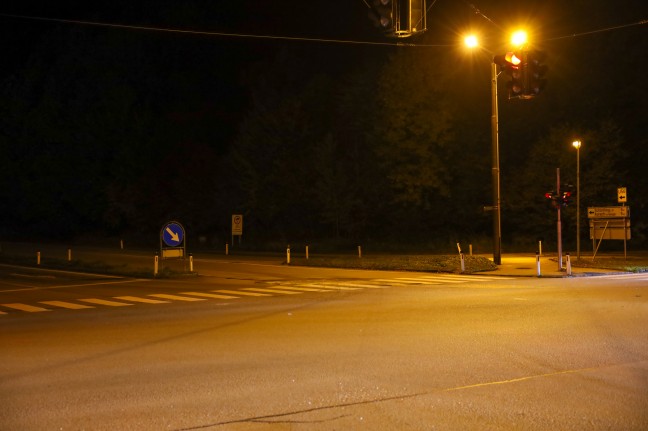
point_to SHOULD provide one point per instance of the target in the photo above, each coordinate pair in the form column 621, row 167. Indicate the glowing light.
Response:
column 519, row 38
column 471, row 41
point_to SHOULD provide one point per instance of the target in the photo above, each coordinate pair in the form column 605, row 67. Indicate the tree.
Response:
column 601, row 157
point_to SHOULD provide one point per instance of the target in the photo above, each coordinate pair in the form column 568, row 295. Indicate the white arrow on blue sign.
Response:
column 173, row 234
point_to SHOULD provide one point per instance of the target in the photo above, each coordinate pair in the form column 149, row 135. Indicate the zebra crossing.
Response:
column 277, row 288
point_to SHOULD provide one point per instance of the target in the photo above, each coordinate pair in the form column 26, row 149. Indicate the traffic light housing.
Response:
column 553, row 197
column 535, row 73
column 399, row 18
column 559, row 200
column 512, row 63
column 566, row 198
column 382, row 14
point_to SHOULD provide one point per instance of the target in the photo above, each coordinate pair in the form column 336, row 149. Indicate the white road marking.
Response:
column 25, row 307
column 64, row 304
column 105, row 302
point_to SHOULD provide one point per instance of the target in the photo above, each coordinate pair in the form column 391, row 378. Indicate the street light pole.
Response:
column 519, row 39
column 497, row 227
column 577, row 145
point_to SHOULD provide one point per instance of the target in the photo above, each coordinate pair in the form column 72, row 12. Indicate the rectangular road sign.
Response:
column 237, row 224
column 622, row 195
column 608, row 212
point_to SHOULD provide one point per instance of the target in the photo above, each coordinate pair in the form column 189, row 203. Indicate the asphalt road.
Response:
column 265, row 347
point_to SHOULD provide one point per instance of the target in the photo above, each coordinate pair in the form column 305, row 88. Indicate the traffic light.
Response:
column 535, row 73
column 553, row 196
column 566, row 198
column 559, row 200
column 513, row 65
column 382, row 14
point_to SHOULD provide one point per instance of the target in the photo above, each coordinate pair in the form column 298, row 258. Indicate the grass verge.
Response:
column 422, row 263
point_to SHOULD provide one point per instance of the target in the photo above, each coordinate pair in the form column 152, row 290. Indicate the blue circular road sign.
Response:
column 173, row 234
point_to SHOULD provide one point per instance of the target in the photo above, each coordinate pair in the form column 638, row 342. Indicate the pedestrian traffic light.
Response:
column 382, row 14
column 513, row 65
column 536, row 71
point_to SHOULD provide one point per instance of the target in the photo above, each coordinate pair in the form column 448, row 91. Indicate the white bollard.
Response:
column 360, row 251
column 69, row 255
column 569, row 268
column 190, row 262
column 226, row 249
column 38, row 258
column 306, row 252
column 121, row 244
column 459, row 247
column 538, row 264
column 288, row 255
column 470, row 248
column 155, row 265
column 540, row 247
column 463, row 263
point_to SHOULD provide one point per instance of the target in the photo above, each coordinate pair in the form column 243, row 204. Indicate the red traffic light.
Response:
column 509, row 61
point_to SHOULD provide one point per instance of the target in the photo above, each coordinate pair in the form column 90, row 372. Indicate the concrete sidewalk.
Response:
column 522, row 265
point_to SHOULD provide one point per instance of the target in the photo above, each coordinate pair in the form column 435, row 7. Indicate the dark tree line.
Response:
column 114, row 133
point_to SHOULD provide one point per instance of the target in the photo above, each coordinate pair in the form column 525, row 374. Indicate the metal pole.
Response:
column 559, row 222
column 578, row 203
column 497, row 228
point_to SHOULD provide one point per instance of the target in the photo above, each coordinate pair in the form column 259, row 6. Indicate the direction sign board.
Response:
column 608, row 212
column 173, row 234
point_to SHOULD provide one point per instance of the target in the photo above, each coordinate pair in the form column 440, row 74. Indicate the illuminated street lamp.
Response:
column 471, row 41
column 577, row 145
column 518, row 39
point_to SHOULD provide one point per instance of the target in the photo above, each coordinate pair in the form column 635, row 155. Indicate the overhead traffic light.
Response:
column 382, row 14
column 512, row 64
column 535, row 73
column 399, row 18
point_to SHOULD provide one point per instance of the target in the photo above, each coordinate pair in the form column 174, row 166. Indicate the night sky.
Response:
column 153, row 112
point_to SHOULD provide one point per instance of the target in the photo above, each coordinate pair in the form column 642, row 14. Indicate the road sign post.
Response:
column 622, row 195
column 609, row 223
column 172, row 241
column 237, row 227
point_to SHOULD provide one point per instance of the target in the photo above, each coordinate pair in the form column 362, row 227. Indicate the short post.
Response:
column 463, row 263
column 306, row 252
column 155, row 265
column 69, row 255
column 359, row 251
column 190, row 262
column 569, row 268
column 470, row 248
column 540, row 247
column 538, row 264
column 459, row 247
column 38, row 258
column 226, row 249
column 288, row 255
column 121, row 244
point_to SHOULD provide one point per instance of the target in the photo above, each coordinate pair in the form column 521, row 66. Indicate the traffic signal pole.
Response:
column 497, row 226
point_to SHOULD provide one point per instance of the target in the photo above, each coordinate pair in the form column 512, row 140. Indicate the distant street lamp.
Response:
column 518, row 39
column 577, row 145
